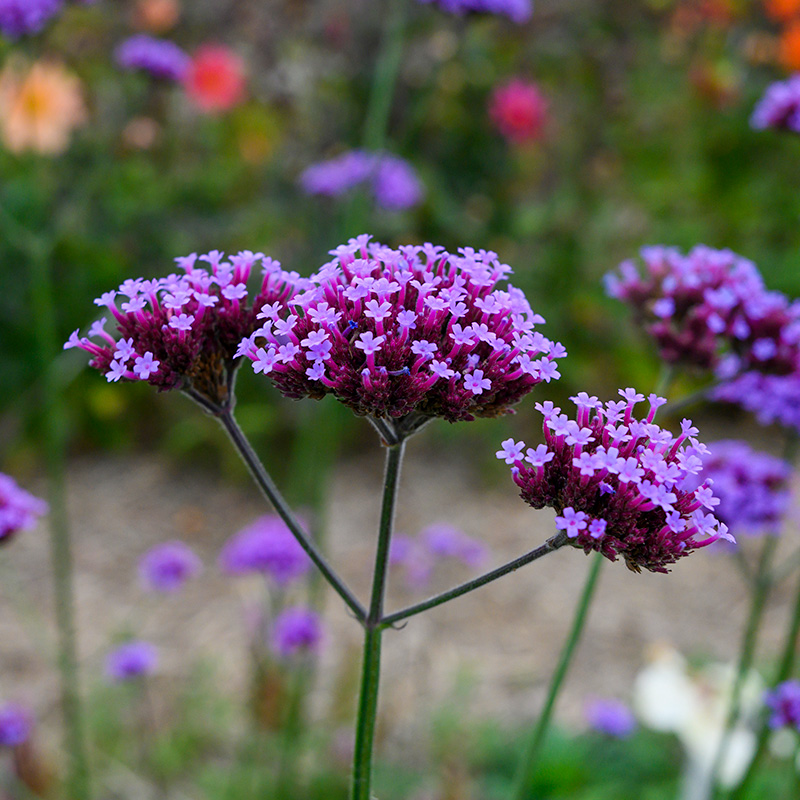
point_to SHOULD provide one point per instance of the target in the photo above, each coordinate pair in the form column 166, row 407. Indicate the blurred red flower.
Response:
column 519, row 111
column 789, row 47
column 782, row 9
column 215, row 80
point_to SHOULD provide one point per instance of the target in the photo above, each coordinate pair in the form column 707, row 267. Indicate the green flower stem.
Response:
column 270, row 491
column 527, row 766
column 373, row 629
column 549, row 546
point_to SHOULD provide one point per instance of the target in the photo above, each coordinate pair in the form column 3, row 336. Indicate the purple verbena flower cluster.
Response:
column 710, row 308
column 394, row 182
column 771, row 398
column 26, row 17
column 19, row 510
column 158, row 57
column 167, row 566
column 780, row 106
column 182, row 331
column 784, row 702
column 131, row 660
column 391, row 332
column 617, row 482
column 518, row 11
column 752, row 487
column 266, row 546
column 16, row 724
column 611, row 717
column 296, row 630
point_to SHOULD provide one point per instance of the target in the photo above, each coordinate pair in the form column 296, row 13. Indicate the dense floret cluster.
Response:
column 771, row 398
column 26, row 17
column 296, row 631
column 414, row 330
column 167, row 566
column 617, row 482
column 158, row 57
column 134, row 659
column 779, row 107
column 710, row 308
column 517, row 10
column 19, row 509
column 182, row 331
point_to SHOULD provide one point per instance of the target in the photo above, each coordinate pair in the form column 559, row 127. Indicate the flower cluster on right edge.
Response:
column 617, row 482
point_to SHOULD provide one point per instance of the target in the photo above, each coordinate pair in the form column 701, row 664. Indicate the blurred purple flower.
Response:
column 397, row 185
column 296, row 630
column 779, row 107
column 771, row 398
column 784, row 702
column 166, row 567
column 518, row 11
column 131, row 660
column 18, row 509
column 268, row 546
column 26, row 17
column 611, row 717
column 158, row 57
column 16, row 723
column 446, row 541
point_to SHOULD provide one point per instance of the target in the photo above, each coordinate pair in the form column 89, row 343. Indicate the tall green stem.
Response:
column 527, row 767
column 373, row 629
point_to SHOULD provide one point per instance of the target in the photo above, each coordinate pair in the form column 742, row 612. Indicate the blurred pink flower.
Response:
column 519, row 111
column 215, row 79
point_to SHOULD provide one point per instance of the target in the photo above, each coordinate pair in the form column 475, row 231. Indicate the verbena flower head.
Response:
column 771, row 398
column 518, row 11
column 19, row 510
column 394, row 183
column 182, row 331
column 25, row 17
column 391, row 333
column 215, row 79
column 167, row 566
column 617, row 482
column 16, row 724
column 611, row 717
column 784, row 702
column 131, row 660
column 158, row 57
column 519, row 111
column 779, row 107
column 296, row 631
column 710, row 308
column 266, row 546
column 752, row 487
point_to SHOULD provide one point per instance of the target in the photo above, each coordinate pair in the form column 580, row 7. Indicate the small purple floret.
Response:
column 296, row 630
column 160, row 58
column 611, row 717
column 16, row 724
column 166, row 567
column 784, row 702
column 131, row 660
column 19, row 510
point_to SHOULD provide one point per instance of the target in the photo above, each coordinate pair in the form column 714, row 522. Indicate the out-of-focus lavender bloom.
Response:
column 518, row 11
column 131, row 660
column 779, row 107
column 771, row 398
column 26, row 17
column 393, row 181
column 19, row 510
column 166, row 567
column 446, row 541
column 266, row 546
column 16, row 723
column 158, row 57
column 296, row 630
column 752, row 487
column 784, row 702
column 611, row 717
column 618, row 483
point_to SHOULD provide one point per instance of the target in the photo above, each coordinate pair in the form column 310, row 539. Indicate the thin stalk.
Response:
column 549, row 546
column 373, row 629
column 270, row 491
column 527, row 766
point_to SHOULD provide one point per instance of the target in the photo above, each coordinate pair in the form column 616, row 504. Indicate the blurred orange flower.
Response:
column 157, row 16
column 789, row 47
column 215, row 79
column 782, row 9
column 39, row 107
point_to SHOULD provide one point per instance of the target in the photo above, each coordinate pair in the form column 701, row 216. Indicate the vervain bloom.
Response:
column 394, row 183
column 517, row 10
column 784, row 702
column 518, row 110
column 752, row 487
column 26, row 17
column 158, row 57
column 416, row 330
column 16, row 723
column 267, row 546
column 40, row 106
column 771, row 398
column 296, row 630
column 131, row 660
column 710, row 308
column 780, row 106
column 182, row 331
column 617, row 482
column 611, row 717
column 167, row 566
column 19, row 510
column 215, row 79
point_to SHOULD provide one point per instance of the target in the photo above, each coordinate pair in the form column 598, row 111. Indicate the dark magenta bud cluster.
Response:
column 710, row 309
column 413, row 330
column 618, row 483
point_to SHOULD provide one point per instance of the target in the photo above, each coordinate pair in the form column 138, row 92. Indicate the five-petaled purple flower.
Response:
column 618, row 483
column 611, row 717
column 158, row 57
column 784, row 702
column 416, row 330
column 518, row 11
column 19, row 510
column 16, row 723
column 267, row 546
column 780, row 106
column 167, row 566
column 296, row 630
column 131, row 660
